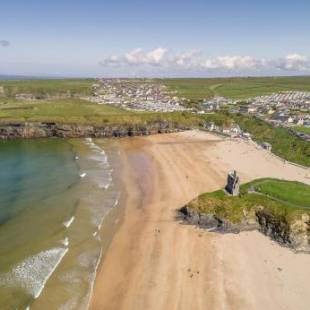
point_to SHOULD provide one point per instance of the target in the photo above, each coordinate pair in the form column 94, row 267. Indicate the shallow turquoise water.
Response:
column 53, row 196
column 30, row 173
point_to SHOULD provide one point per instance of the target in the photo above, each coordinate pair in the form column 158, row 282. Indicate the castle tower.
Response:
column 233, row 183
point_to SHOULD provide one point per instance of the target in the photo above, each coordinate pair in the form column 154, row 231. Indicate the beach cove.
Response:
column 155, row 262
column 107, row 236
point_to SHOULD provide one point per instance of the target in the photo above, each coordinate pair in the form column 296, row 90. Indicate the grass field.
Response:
column 296, row 194
column 41, row 88
column 279, row 197
column 235, row 88
column 83, row 112
column 193, row 89
column 63, row 108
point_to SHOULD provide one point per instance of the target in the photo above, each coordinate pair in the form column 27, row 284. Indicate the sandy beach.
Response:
column 155, row 262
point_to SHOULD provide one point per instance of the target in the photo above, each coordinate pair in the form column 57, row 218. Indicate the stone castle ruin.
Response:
column 233, row 183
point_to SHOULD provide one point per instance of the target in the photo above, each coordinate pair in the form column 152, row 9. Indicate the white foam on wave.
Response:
column 32, row 273
column 91, row 290
column 68, row 223
column 102, row 159
column 95, row 147
column 65, row 242
column 92, row 145
column 69, row 304
column 116, row 202
column 83, row 175
column 105, row 185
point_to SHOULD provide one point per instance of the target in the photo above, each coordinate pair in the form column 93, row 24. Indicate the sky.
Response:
column 171, row 38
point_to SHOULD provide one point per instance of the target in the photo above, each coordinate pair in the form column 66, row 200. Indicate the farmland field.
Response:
column 235, row 88
column 50, row 87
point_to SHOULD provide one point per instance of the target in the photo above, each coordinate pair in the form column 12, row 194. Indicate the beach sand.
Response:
column 155, row 262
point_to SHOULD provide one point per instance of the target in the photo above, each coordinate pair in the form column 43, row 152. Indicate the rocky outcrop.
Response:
column 214, row 223
column 294, row 234
column 300, row 233
column 275, row 227
column 27, row 130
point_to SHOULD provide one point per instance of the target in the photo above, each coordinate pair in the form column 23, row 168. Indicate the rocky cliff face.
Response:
column 295, row 234
column 29, row 130
column 276, row 227
column 214, row 223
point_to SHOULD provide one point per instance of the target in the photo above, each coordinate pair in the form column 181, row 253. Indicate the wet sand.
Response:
column 154, row 262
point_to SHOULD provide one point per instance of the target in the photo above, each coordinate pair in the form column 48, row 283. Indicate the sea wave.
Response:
column 93, row 278
column 68, row 223
column 83, row 175
column 100, row 202
column 65, row 242
column 100, row 156
column 114, row 204
column 32, row 273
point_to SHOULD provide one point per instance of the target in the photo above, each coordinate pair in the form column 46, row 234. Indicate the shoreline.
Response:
column 154, row 262
column 92, row 229
column 110, row 225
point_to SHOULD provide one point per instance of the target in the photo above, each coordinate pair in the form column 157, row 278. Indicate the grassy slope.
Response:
column 287, row 199
column 236, row 88
column 44, row 87
column 284, row 143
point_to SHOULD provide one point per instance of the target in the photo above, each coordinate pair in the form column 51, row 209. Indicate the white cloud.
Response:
column 231, row 63
column 110, row 61
column 187, row 59
column 293, row 62
column 156, row 56
column 194, row 60
column 137, row 57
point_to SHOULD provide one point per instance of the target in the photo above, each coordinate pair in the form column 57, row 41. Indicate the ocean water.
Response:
column 54, row 197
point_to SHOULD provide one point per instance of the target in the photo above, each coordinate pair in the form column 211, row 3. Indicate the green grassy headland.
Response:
column 281, row 198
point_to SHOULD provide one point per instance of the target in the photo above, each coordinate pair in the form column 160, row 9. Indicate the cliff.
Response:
column 27, row 130
column 293, row 234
